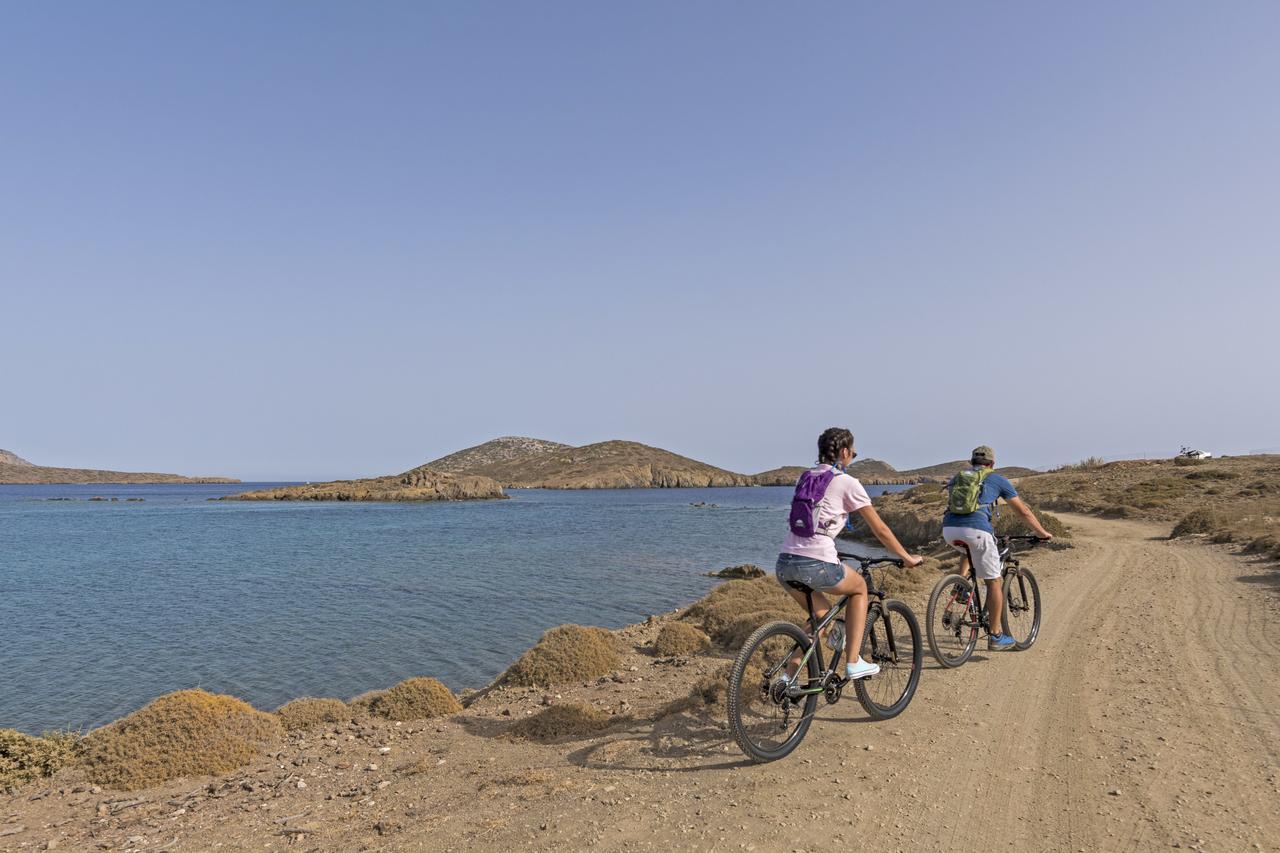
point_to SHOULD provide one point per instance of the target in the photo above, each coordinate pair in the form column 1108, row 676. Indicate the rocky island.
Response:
column 14, row 470
column 419, row 484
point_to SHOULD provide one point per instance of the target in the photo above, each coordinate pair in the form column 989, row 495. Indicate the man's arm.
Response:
column 1030, row 517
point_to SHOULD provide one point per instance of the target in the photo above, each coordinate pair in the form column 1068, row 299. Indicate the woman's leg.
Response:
column 855, row 614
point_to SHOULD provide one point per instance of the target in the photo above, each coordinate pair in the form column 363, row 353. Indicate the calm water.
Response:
column 105, row 605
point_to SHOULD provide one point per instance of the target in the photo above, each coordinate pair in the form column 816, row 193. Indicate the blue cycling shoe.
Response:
column 1000, row 642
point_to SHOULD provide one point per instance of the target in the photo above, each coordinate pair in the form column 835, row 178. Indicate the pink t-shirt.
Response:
column 844, row 495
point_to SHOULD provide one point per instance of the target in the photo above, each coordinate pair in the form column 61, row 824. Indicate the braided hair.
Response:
column 831, row 442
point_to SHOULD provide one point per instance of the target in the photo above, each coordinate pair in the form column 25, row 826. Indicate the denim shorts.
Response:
column 808, row 571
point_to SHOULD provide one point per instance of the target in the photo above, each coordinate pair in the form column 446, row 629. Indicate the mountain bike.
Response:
column 955, row 613
column 770, row 713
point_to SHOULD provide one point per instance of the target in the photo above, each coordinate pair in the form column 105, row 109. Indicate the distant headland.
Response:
column 14, row 470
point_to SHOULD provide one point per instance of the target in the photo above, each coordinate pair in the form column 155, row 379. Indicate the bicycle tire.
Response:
column 750, row 728
column 899, row 667
column 1021, row 608
column 947, row 622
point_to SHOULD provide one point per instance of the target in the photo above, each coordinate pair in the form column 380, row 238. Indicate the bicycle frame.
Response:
column 816, row 646
column 1008, row 563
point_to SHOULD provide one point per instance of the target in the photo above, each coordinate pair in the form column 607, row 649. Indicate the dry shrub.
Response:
column 24, row 758
column 566, row 653
column 1212, row 474
column 1197, row 521
column 737, row 631
column 307, row 713
column 1187, row 461
column 680, row 638
column 915, row 525
column 188, row 733
column 416, row 699
column 732, row 602
column 709, row 692
column 559, row 722
column 1011, row 524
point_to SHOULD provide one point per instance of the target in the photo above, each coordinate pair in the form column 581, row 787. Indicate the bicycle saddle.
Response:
column 803, row 587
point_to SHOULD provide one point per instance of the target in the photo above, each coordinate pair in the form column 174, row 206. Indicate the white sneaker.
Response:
column 861, row 669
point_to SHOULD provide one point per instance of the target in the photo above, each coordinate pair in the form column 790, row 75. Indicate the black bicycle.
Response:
column 770, row 712
column 956, row 614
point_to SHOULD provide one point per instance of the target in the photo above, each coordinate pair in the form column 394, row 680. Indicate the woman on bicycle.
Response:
column 812, row 560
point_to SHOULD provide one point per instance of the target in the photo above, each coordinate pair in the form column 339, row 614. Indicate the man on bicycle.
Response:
column 972, row 532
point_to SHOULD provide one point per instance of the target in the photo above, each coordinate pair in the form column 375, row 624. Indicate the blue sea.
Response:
column 105, row 605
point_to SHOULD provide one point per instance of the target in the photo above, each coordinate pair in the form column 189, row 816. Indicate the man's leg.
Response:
column 995, row 606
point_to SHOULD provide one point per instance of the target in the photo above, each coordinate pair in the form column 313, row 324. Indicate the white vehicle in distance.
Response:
column 1188, row 453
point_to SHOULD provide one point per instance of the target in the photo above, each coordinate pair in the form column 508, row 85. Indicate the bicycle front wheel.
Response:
column 951, row 622
column 1022, row 607
column 767, row 715
column 892, row 639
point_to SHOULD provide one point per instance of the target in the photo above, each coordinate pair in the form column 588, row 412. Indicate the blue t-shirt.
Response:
column 993, row 487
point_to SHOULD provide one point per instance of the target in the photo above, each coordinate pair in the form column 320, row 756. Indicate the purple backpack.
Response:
column 804, row 505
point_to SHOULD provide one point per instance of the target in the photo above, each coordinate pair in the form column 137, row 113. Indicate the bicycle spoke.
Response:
column 767, row 714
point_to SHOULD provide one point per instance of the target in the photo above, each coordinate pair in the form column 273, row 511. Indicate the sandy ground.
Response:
column 1147, row 716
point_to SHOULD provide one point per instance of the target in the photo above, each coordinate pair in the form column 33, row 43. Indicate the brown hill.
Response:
column 420, row 484
column 943, row 471
column 610, row 465
column 14, row 470
column 870, row 471
column 486, row 459
column 7, row 458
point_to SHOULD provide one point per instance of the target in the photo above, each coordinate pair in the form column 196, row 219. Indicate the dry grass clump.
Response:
column 680, row 638
column 566, row 653
column 188, row 733
column 306, row 713
column 723, row 613
column 1187, row 461
column 1255, row 524
column 416, row 699
column 1089, row 463
column 559, row 722
column 24, row 758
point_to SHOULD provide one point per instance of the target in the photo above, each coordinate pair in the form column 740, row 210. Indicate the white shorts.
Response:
column 982, row 550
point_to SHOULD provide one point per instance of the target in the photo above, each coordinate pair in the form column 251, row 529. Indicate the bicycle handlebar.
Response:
column 868, row 562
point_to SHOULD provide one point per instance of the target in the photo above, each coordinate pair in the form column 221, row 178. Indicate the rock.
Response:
column 301, row 785
column 743, row 572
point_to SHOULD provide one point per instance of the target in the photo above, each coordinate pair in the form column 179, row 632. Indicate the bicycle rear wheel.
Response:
column 892, row 639
column 1022, row 607
column 950, row 621
column 767, row 719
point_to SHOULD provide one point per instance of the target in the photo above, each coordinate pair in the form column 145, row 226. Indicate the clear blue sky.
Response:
column 310, row 239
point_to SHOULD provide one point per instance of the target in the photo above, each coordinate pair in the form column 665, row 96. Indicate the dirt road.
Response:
column 1146, row 717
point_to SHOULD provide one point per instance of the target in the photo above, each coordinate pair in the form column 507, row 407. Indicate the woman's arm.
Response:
column 886, row 537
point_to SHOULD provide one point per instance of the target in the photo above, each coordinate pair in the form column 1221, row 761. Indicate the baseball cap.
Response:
column 983, row 455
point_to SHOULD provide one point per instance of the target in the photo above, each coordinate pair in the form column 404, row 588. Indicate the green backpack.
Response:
column 965, row 488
